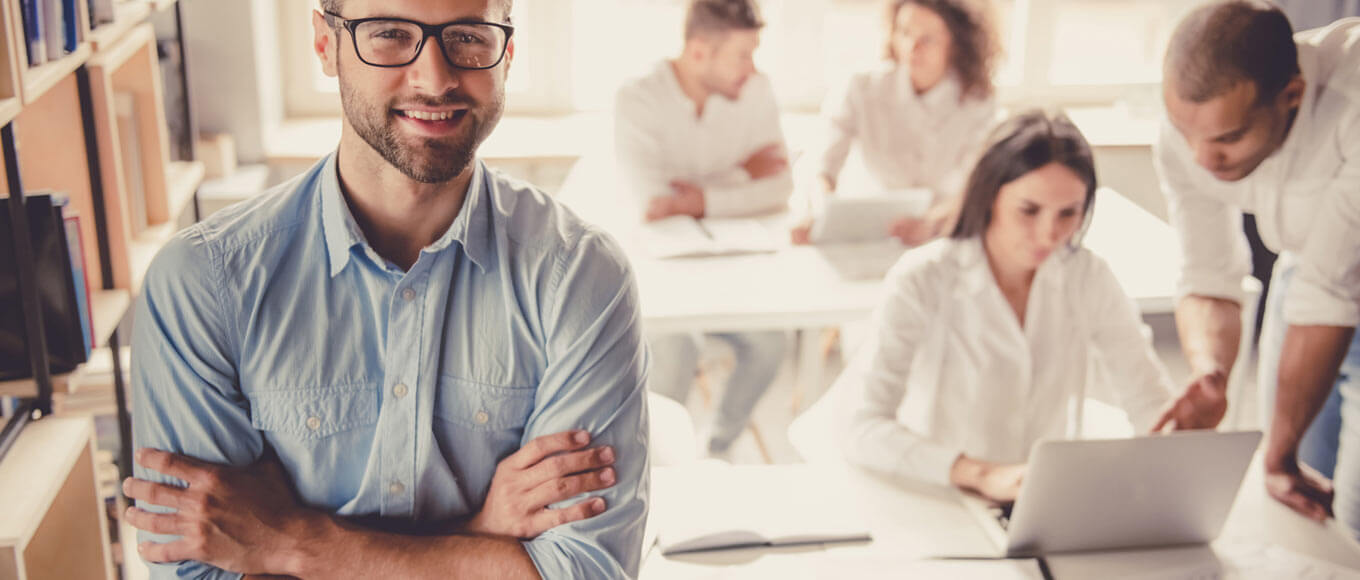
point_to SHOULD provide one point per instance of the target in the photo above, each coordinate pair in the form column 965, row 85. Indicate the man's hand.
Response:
column 241, row 519
column 769, row 160
column 994, row 481
column 550, row 469
column 1299, row 487
column 801, row 234
column 686, row 199
column 1201, row 406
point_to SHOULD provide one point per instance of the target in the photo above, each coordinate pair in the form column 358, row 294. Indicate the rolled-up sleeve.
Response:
column 1326, row 290
column 733, row 193
column 595, row 380
column 1213, row 246
column 186, row 394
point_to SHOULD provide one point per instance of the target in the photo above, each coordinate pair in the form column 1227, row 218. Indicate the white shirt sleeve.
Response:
column 1140, row 381
column 839, row 113
column 1213, row 245
column 873, row 437
column 642, row 165
column 735, row 194
column 1326, row 289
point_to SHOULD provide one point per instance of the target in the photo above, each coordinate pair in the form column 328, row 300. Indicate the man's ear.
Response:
column 1292, row 94
column 325, row 41
column 509, row 54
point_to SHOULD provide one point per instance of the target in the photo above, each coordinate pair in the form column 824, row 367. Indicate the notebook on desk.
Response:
column 720, row 507
column 686, row 237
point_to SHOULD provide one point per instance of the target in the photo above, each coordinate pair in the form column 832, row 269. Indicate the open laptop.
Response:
column 1157, row 490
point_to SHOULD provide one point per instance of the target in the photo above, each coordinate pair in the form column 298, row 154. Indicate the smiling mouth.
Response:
column 433, row 115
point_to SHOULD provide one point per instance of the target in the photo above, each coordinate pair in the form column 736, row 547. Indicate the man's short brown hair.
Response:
column 333, row 6
column 708, row 17
column 1223, row 43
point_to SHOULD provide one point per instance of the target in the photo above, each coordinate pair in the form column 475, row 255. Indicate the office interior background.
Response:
column 250, row 107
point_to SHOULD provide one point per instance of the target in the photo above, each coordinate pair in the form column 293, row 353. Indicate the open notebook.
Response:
column 721, row 506
column 686, row 237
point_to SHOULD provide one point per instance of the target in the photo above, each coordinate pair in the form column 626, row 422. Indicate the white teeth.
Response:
column 427, row 116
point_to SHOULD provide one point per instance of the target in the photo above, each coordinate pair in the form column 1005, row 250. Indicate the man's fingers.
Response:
column 1168, row 416
column 549, row 518
column 559, row 466
column 154, row 522
column 154, row 493
column 169, row 552
column 564, row 488
column 546, row 445
column 173, row 464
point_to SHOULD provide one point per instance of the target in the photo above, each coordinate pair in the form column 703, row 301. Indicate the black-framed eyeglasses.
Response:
column 397, row 42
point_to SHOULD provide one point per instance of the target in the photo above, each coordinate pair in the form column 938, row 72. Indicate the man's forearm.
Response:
column 346, row 550
column 1210, row 330
column 1309, row 362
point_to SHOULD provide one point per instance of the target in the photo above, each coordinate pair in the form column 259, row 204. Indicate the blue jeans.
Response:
column 675, row 360
column 1319, row 446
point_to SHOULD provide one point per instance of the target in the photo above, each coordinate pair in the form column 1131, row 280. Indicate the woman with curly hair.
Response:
column 920, row 115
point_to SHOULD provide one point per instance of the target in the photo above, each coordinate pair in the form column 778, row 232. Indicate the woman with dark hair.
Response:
column 920, row 115
column 984, row 340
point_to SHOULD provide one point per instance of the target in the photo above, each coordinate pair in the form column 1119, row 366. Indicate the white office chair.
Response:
column 672, row 439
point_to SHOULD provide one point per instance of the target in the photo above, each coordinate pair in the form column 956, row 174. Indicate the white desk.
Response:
column 913, row 522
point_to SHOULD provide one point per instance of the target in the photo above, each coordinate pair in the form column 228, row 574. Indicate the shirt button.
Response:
column 408, row 294
column 481, row 417
column 313, row 423
column 400, row 390
column 396, row 488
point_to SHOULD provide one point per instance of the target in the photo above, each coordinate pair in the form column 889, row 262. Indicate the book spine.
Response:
column 33, row 30
column 81, row 282
column 71, row 24
column 54, row 24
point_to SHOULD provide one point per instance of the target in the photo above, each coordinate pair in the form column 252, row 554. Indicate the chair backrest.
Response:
column 672, row 440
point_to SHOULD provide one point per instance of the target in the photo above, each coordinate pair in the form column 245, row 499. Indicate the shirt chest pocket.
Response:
column 314, row 414
column 484, row 408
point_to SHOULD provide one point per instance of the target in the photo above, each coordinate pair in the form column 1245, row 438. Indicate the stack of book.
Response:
column 51, row 28
column 63, row 290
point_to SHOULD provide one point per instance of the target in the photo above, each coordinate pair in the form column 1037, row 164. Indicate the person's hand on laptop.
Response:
column 996, row 482
column 1201, row 406
column 550, row 469
column 1299, row 487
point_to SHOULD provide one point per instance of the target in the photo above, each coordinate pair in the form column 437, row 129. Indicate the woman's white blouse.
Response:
column 951, row 371
column 907, row 140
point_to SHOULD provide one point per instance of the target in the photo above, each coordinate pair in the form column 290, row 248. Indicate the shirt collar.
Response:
column 944, row 94
column 472, row 227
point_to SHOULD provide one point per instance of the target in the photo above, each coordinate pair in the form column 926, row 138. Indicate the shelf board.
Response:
column 182, row 180
column 10, row 108
column 144, row 247
column 38, row 80
column 108, row 307
column 29, row 388
column 126, row 16
column 33, row 471
column 162, row 5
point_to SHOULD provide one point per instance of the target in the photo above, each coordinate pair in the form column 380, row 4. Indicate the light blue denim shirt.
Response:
column 390, row 396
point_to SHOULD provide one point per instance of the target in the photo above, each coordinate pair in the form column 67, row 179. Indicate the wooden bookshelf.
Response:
column 182, row 180
column 51, row 144
column 162, row 5
column 52, row 521
column 11, row 101
column 130, row 66
column 126, row 16
column 38, row 80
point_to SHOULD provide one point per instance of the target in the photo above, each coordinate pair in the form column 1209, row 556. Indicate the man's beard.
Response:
column 428, row 160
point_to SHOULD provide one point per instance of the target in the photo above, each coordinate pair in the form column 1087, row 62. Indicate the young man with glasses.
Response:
column 400, row 363
column 699, row 136
column 1265, row 121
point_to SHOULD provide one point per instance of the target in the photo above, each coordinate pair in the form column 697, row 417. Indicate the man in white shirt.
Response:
column 1267, row 122
column 699, row 136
